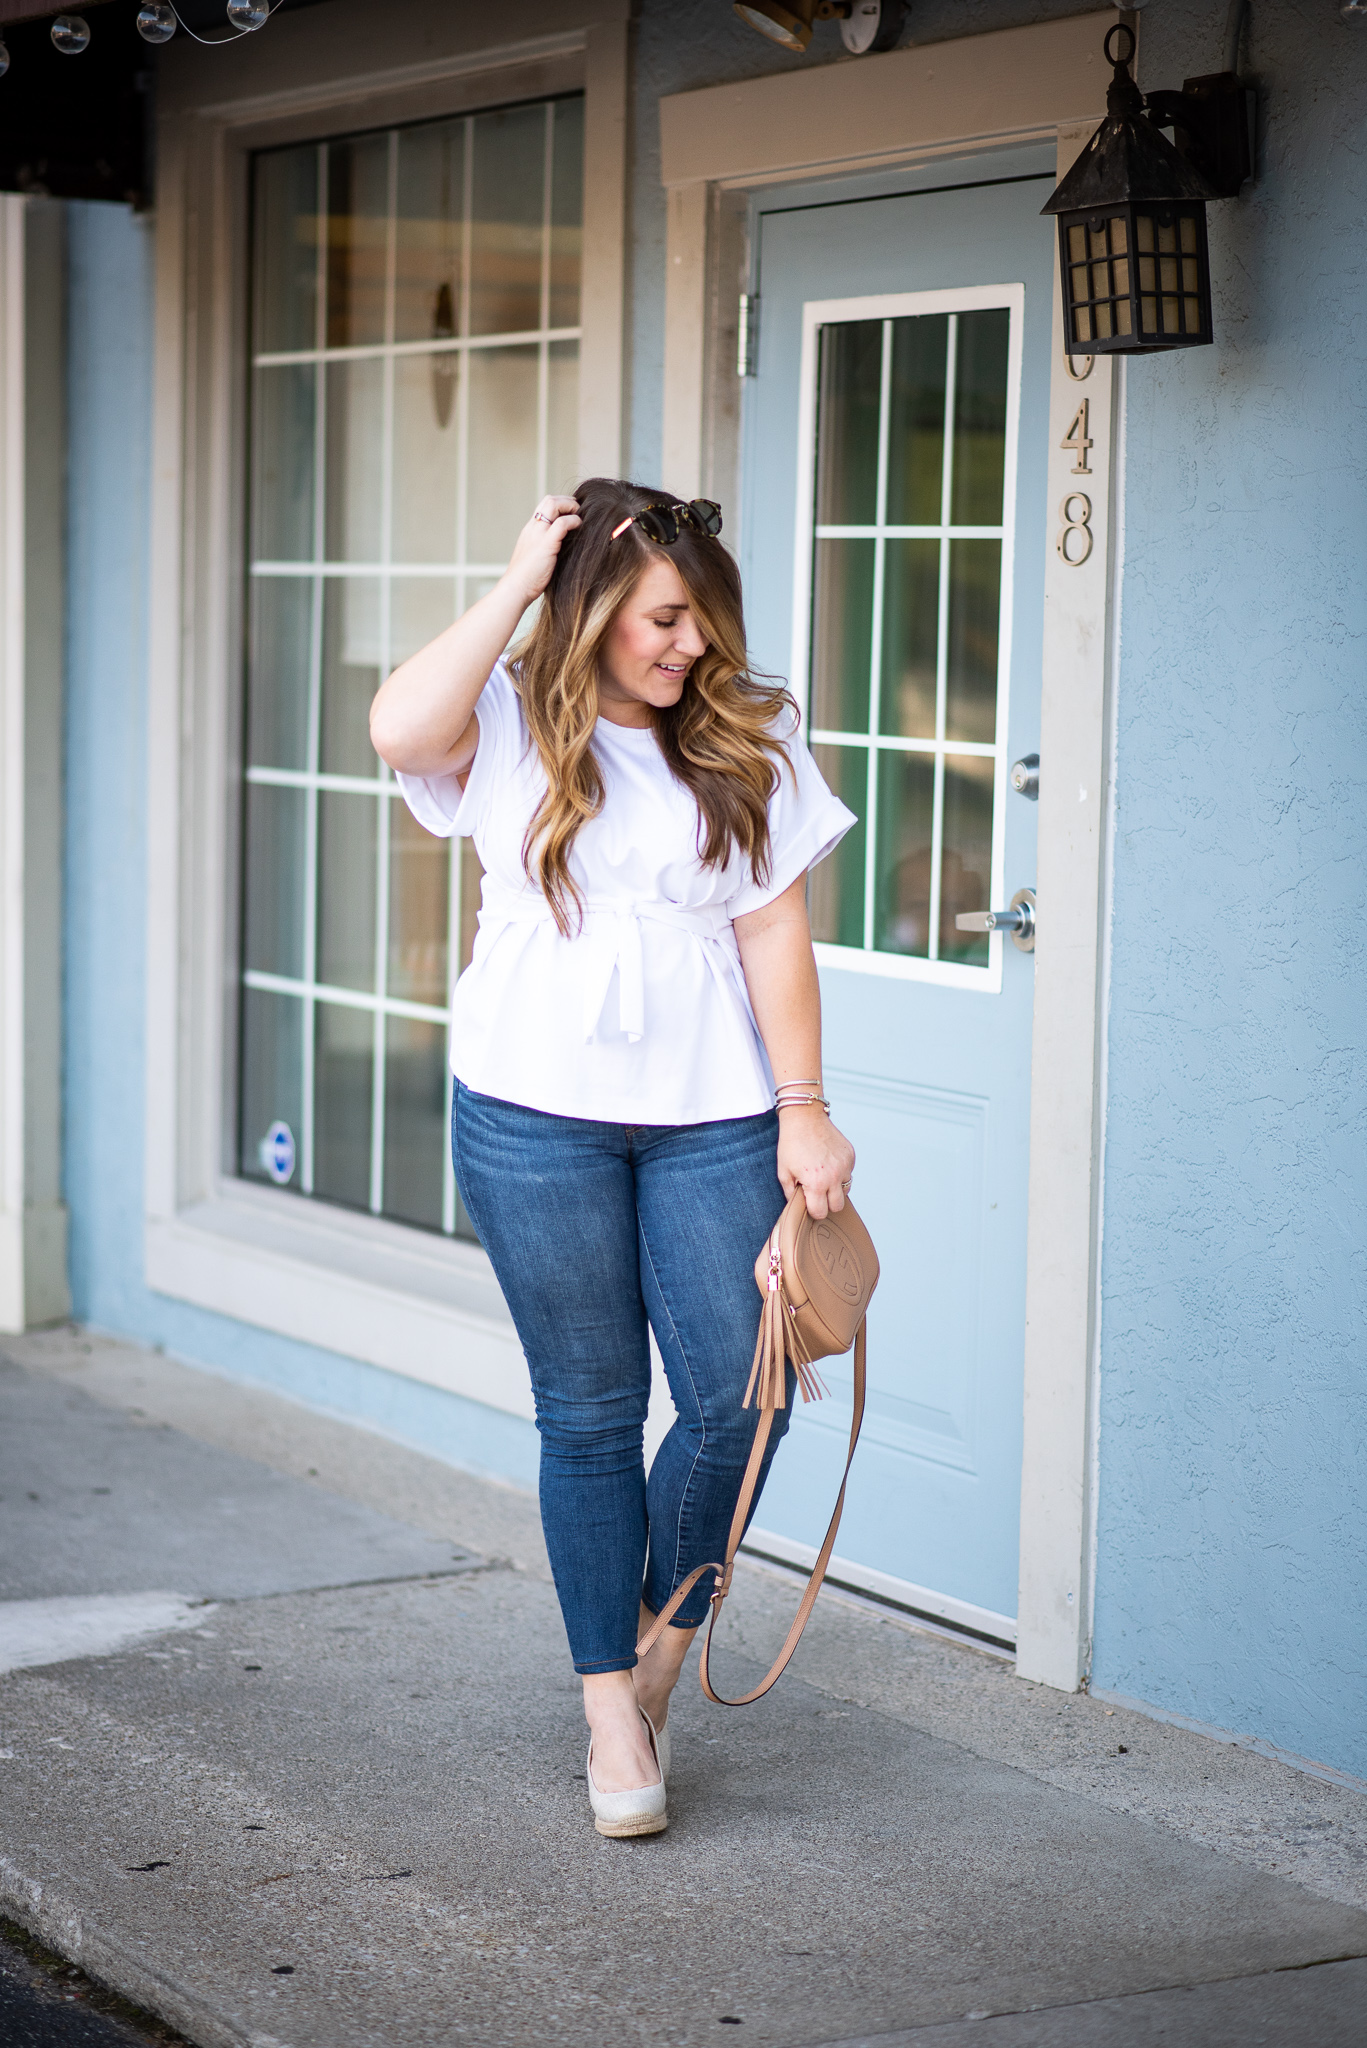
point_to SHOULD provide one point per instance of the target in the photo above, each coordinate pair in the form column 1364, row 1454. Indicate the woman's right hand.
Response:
column 538, row 547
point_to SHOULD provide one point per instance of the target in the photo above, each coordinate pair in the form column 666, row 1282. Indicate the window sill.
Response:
column 417, row 1305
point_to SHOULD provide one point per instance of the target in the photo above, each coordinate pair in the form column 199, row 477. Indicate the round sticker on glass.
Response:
column 276, row 1152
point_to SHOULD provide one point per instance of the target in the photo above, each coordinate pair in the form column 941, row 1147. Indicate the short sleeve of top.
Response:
column 806, row 822
column 437, row 801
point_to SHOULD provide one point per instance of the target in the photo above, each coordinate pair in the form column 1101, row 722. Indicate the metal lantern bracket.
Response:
column 1212, row 121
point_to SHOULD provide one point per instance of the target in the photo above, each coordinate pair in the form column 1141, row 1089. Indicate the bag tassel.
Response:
column 767, row 1384
column 767, row 1379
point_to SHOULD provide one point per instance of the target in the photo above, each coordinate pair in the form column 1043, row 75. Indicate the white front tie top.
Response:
column 642, row 1017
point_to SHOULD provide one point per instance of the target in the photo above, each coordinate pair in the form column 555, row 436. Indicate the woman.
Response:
column 642, row 990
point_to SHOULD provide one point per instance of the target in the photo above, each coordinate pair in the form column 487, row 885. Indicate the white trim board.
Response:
column 33, row 1216
column 1007, row 84
column 1067, row 1070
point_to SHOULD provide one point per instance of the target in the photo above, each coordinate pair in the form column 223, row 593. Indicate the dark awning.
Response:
column 80, row 127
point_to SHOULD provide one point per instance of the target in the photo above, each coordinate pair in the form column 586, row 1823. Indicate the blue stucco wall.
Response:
column 109, row 425
column 1233, row 1494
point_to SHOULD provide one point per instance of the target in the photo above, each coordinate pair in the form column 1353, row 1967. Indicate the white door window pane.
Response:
column 905, row 845
column 837, row 886
column 842, row 633
column 911, row 637
column 980, row 417
column 369, row 532
column 847, row 423
column 966, row 872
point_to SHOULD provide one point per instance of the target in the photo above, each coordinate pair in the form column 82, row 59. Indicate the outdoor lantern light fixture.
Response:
column 865, row 25
column 1132, row 212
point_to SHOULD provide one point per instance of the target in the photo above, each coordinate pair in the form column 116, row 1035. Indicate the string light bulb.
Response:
column 247, row 15
column 70, row 34
column 156, row 22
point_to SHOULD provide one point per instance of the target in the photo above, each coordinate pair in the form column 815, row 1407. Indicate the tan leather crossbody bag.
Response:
column 816, row 1280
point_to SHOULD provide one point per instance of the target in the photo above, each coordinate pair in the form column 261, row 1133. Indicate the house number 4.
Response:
column 1075, row 510
column 1078, row 440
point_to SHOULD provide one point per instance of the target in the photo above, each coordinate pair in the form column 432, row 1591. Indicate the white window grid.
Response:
column 888, row 307
column 462, row 573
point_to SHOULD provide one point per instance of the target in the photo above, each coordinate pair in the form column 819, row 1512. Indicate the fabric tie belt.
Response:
column 611, row 935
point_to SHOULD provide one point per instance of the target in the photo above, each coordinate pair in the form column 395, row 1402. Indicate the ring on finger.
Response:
column 544, row 517
column 845, row 1185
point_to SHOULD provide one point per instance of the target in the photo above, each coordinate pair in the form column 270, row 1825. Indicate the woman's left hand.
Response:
column 815, row 1156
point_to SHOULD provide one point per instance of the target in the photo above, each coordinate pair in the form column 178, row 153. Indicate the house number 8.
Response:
column 1075, row 521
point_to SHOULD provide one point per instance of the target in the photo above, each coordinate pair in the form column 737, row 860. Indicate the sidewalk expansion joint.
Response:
column 479, row 1567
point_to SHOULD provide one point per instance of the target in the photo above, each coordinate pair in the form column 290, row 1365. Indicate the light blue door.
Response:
column 893, row 546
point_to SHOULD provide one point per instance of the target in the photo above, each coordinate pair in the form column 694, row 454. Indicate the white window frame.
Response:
column 817, row 313
column 362, row 1286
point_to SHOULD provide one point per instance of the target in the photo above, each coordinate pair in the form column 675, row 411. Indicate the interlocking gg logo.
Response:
column 842, row 1267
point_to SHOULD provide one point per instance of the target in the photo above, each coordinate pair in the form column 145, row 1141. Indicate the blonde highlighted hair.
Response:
column 722, row 740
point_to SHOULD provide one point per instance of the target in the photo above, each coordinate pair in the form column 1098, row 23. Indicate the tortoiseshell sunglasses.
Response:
column 662, row 522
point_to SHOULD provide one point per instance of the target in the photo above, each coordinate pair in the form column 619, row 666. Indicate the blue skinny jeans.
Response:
column 595, row 1231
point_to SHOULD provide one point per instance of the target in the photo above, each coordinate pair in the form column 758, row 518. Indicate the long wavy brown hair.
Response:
column 722, row 740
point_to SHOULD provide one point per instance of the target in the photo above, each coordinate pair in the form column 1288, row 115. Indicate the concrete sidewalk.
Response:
column 344, row 1804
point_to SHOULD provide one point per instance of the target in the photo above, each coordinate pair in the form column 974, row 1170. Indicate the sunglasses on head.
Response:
column 663, row 522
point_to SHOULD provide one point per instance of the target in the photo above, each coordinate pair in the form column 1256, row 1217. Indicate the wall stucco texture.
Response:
column 1233, row 1381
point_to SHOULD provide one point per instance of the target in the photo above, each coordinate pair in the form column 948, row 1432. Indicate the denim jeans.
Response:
column 596, row 1230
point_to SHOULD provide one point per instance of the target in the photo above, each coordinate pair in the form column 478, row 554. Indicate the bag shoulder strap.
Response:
column 733, row 1541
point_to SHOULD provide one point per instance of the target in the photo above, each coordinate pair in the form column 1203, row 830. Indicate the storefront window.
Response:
column 414, row 389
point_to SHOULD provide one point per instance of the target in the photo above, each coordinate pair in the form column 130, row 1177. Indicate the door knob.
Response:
column 1019, row 920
